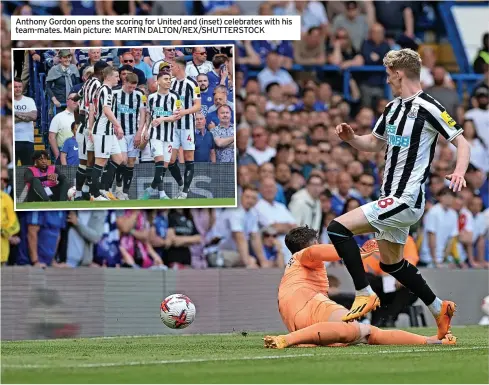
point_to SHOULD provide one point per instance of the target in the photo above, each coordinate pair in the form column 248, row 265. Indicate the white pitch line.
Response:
column 199, row 360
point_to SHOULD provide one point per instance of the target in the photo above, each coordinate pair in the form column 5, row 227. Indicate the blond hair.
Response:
column 405, row 60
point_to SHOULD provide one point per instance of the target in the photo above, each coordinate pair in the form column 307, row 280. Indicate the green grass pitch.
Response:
column 112, row 205
column 240, row 358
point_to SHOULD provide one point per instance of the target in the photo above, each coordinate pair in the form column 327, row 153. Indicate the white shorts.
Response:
column 160, row 148
column 82, row 140
column 105, row 146
column 127, row 145
column 392, row 218
column 184, row 138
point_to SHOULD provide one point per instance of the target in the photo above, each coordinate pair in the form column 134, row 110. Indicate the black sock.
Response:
column 110, row 175
column 80, row 178
column 89, row 173
column 119, row 175
column 189, row 175
column 159, row 173
column 128, row 174
column 175, row 172
column 348, row 250
column 96, row 180
column 411, row 278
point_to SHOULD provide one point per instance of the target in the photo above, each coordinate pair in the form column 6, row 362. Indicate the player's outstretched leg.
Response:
column 400, row 337
column 409, row 276
column 365, row 299
column 334, row 333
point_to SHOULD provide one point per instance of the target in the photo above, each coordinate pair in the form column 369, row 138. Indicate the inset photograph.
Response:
column 124, row 127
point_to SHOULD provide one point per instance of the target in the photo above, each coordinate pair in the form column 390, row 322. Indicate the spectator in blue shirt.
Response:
column 206, row 96
column 205, row 148
column 69, row 151
column 373, row 51
column 39, row 237
column 219, row 75
column 283, row 48
column 220, row 99
column 479, row 182
column 309, row 102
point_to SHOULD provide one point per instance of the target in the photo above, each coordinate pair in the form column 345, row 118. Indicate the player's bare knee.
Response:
column 390, row 253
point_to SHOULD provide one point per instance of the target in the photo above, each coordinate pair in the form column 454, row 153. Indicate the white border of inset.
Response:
column 236, row 203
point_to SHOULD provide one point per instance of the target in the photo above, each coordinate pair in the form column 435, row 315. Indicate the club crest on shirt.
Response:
column 413, row 114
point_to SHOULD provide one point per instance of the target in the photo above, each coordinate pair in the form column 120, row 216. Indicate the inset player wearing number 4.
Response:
column 189, row 104
column 163, row 112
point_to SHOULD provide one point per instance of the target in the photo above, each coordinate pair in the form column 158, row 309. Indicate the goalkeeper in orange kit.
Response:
column 311, row 317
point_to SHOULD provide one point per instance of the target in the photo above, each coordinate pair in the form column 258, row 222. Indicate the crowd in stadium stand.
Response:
column 292, row 168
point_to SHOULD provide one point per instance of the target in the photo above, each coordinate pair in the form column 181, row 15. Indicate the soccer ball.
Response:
column 72, row 193
column 485, row 305
column 177, row 311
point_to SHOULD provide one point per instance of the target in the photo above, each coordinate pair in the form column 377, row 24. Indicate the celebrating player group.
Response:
column 117, row 122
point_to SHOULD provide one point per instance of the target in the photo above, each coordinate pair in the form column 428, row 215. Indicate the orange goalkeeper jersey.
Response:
column 304, row 277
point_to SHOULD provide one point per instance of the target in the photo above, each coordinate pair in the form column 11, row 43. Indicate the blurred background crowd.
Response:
column 292, row 169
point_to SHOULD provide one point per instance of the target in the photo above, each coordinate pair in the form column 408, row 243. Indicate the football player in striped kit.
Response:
column 161, row 130
column 408, row 130
column 189, row 96
column 131, row 114
column 85, row 146
column 104, row 133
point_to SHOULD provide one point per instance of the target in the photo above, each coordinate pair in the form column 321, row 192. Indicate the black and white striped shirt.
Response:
column 188, row 91
column 160, row 105
column 87, row 95
column 128, row 109
column 104, row 97
column 411, row 127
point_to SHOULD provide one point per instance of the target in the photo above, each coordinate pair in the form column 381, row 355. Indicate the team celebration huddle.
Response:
column 118, row 122
column 116, row 108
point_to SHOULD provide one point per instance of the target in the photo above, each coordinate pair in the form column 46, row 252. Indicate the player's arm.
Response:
column 316, row 255
column 195, row 94
column 91, row 117
column 367, row 143
column 53, row 131
column 445, row 125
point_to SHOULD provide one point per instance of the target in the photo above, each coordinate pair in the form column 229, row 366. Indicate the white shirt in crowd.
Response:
column 481, row 228
column 306, row 210
column 465, row 222
column 478, row 154
column 61, row 126
column 262, row 156
column 275, row 212
column 314, row 15
column 481, row 122
column 443, row 223
column 24, row 131
column 234, row 221
column 427, row 77
column 194, row 70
